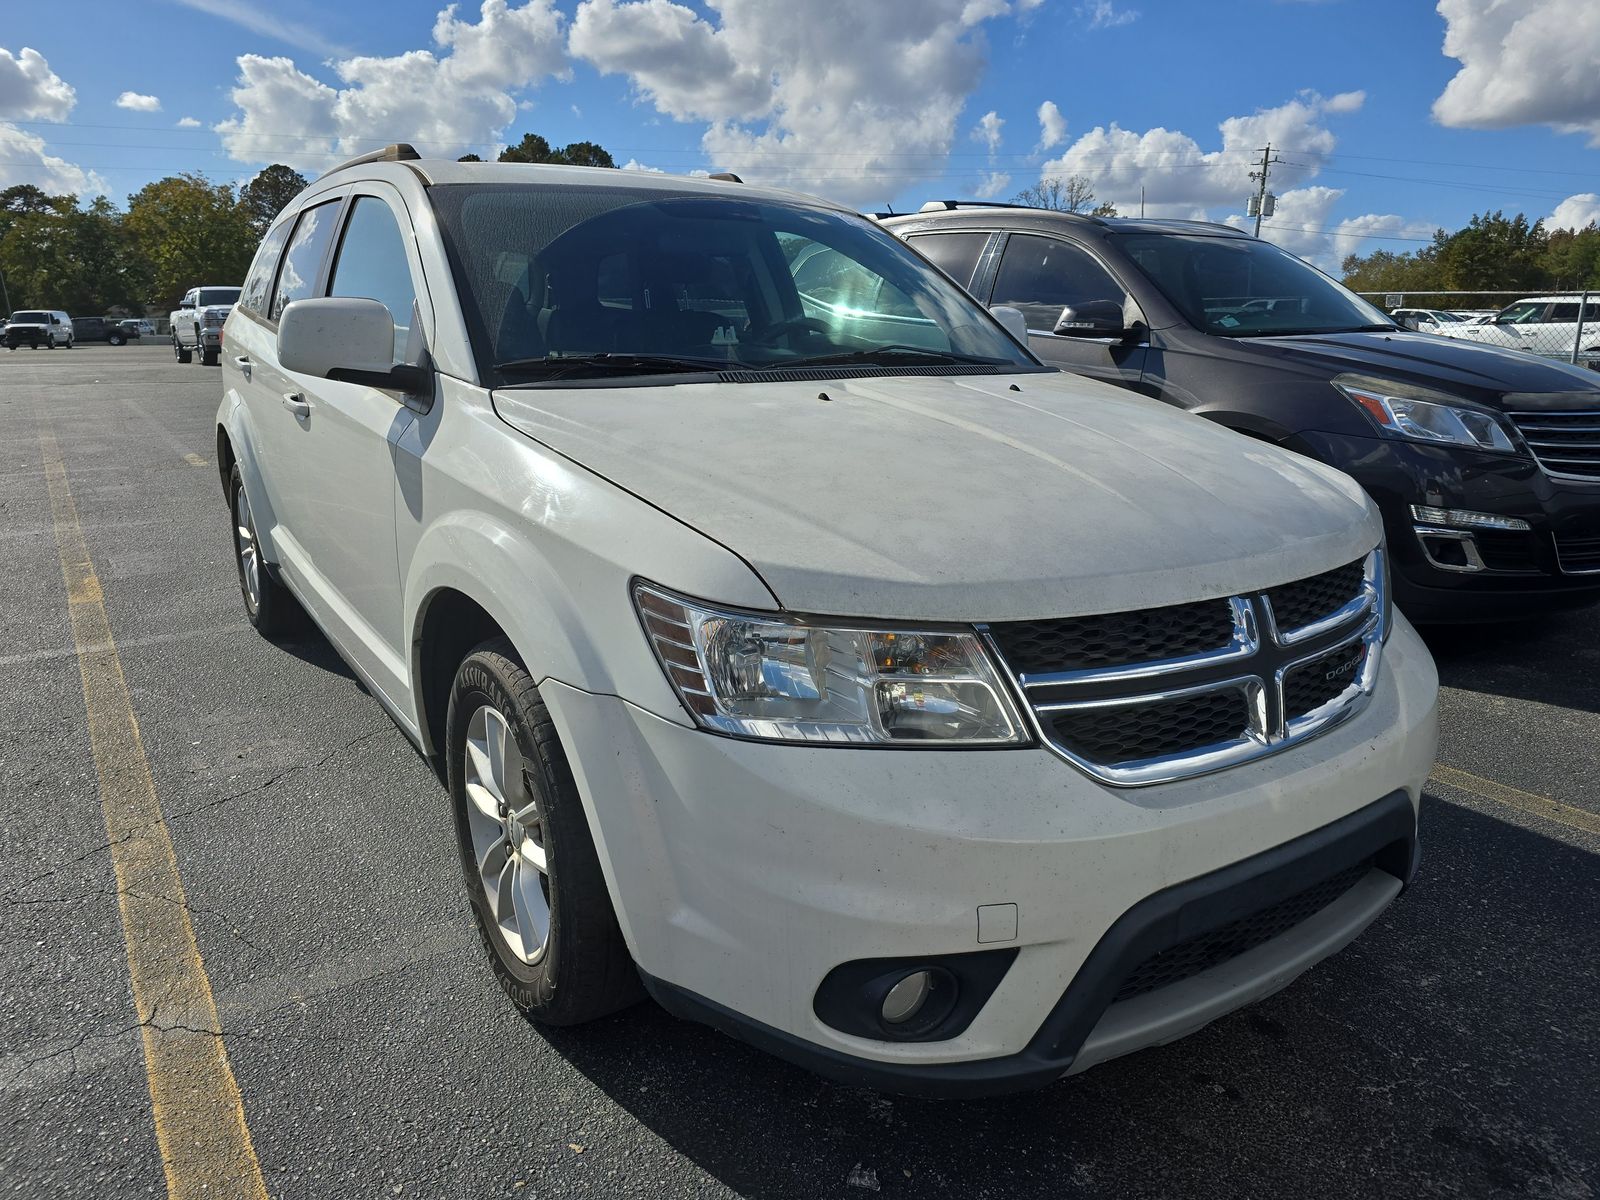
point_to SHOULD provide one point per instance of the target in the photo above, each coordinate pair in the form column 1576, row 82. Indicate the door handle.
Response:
column 295, row 402
column 242, row 361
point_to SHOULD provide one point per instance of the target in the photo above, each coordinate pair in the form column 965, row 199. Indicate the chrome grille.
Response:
column 1565, row 443
column 1169, row 693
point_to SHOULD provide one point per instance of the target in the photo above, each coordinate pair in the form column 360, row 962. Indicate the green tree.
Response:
column 55, row 254
column 265, row 196
column 469, row 158
column 536, row 149
column 189, row 231
column 1496, row 251
column 1572, row 257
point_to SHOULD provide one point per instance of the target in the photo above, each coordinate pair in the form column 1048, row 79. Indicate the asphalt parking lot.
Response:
column 1453, row 1050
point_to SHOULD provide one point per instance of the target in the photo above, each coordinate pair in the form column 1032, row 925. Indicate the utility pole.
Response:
column 1262, row 203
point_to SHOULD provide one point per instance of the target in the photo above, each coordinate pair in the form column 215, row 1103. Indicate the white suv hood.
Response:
column 958, row 498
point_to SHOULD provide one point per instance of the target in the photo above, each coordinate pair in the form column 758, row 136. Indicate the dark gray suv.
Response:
column 1485, row 462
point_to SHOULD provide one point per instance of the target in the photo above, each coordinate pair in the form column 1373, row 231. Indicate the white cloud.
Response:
column 137, row 102
column 188, row 123
column 1052, row 126
column 987, row 130
column 24, row 159
column 633, row 164
column 1575, row 212
column 1103, row 14
column 1301, row 225
column 265, row 21
column 1522, row 64
column 993, row 183
column 30, row 90
column 447, row 102
column 791, row 100
column 1182, row 179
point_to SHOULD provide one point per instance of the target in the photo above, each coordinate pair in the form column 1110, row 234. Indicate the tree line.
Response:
column 1492, row 252
column 176, row 233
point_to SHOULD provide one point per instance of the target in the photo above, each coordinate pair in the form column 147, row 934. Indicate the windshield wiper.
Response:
column 1246, row 333
column 876, row 355
column 559, row 366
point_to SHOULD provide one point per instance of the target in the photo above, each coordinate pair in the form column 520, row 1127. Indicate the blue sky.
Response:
column 875, row 102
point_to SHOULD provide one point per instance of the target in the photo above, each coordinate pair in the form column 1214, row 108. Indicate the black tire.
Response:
column 116, row 339
column 210, row 358
column 273, row 610
column 50, row 342
column 179, row 352
column 584, row 970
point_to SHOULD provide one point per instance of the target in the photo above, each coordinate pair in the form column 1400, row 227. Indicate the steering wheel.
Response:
column 771, row 333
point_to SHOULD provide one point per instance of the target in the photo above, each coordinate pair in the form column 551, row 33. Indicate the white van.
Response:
column 36, row 327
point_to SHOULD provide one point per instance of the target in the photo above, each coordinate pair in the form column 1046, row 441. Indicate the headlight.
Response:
column 1420, row 414
column 771, row 677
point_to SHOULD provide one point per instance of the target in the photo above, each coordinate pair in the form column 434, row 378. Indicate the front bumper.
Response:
column 743, row 874
column 1504, row 574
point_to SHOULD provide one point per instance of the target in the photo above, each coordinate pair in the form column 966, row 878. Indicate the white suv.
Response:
column 810, row 655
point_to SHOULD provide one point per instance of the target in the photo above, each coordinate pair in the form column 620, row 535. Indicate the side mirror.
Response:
column 346, row 339
column 1092, row 318
column 1015, row 323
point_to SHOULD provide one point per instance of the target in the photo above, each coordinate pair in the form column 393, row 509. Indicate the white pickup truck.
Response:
column 197, row 323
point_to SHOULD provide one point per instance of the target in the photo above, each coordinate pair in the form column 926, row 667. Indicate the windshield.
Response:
column 564, row 282
column 1241, row 287
column 218, row 296
column 29, row 318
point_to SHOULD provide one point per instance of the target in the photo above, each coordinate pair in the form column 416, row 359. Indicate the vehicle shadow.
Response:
column 1552, row 659
column 1441, row 1054
column 310, row 645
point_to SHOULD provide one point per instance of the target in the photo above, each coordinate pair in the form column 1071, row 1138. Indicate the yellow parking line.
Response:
column 199, row 1118
column 1528, row 802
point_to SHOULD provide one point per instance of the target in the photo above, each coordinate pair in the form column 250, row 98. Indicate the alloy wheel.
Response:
column 244, row 532
column 508, row 842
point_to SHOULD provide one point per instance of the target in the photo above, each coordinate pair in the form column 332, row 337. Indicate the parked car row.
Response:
column 50, row 328
column 800, row 649
column 1484, row 463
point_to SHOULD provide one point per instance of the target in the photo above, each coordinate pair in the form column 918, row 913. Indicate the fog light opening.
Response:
column 1450, row 549
column 907, row 998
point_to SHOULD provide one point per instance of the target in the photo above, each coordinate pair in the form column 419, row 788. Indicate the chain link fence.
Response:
column 1559, row 325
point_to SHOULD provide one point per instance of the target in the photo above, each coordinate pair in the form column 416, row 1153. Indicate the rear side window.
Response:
column 956, row 254
column 1041, row 276
column 372, row 264
column 298, row 275
column 1563, row 312
column 258, row 284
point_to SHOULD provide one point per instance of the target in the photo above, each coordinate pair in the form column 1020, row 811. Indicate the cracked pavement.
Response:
column 1452, row 1050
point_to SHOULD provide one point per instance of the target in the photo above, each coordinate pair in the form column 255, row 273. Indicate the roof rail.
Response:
column 395, row 152
column 945, row 205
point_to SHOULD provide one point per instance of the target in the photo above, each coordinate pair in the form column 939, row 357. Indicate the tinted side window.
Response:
column 258, row 283
column 1041, row 276
column 372, row 263
column 1563, row 312
column 298, row 275
column 956, row 254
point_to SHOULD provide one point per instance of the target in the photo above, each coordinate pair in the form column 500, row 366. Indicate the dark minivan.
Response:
column 1484, row 462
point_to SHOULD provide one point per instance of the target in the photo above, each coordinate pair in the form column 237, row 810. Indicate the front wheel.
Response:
column 178, row 350
column 267, row 603
column 116, row 339
column 50, row 342
column 533, row 877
